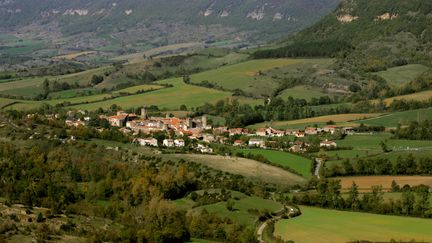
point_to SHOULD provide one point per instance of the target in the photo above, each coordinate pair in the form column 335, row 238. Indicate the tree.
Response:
column 96, row 79
column 353, row 198
column 395, row 187
column 408, row 200
column 422, row 204
column 230, row 205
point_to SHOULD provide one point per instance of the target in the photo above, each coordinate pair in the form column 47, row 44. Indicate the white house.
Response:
column 204, row 149
column 168, row 143
column 179, row 143
column 147, row 142
column 255, row 142
column 328, row 144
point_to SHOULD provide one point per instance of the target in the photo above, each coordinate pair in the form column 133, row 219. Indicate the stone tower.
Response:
column 204, row 121
column 143, row 113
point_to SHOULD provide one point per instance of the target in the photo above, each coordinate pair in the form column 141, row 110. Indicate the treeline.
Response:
column 414, row 201
column 408, row 165
column 415, row 131
column 324, row 48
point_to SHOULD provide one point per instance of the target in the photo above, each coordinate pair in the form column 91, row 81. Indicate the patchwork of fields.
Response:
column 323, row 225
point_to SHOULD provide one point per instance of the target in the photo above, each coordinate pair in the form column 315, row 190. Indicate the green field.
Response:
column 393, row 119
column 241, row 210
column 321, row 225
column 369, row 145
column 340, row 119
column 302, row 92
column 402, row 74
column 297, row 163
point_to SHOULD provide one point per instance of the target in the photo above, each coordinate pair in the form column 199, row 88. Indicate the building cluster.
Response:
column 199, row 129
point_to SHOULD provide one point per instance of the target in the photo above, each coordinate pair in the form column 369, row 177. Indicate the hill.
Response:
column 375, row 34
column 134, row 24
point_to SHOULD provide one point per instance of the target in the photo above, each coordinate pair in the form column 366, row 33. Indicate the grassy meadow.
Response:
column 321, row 120
column 395, row 118
column 402, row 74
column 297, row 163
column 323, row 225
column 302, row 92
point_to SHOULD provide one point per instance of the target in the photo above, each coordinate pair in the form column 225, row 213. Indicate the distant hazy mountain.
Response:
column 180, row 20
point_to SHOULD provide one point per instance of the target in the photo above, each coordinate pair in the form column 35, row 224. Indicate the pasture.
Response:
column 395, row 118
column 299, row 164
column 245, row 167
column 241, row 212
column 247, row 76
column 303, row 92
column 366, row 182
column 323, row 225
column 419, row 96
column 321, row 120
column 368, row 145
column 403, row 74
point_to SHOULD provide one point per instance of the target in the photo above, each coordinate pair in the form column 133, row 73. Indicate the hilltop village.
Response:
column 142, row 129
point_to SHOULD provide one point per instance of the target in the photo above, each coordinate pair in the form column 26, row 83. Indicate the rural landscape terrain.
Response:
column 216, row 121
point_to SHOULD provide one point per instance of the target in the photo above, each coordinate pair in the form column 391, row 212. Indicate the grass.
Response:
column 302, row 92
column 404, row 117
column 245, row 76
column 366, row 182
column 419, row 96
column 297, row 163
column 369, row 145
column 322, row 225
column 242, row 206
column 402, row 74
column 321, row 120
column 245, row 167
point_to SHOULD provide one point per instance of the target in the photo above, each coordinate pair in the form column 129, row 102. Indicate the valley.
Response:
column 215, row 121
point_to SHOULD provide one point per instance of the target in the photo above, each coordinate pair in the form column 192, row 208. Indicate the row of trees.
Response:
column 413, row 201
column 408, row 165
column 415, row 131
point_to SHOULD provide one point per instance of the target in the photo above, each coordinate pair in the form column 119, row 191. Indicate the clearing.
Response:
column 402, row 74
column 245, row 167
column 323, row 225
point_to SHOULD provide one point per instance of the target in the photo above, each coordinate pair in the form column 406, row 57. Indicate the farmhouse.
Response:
column 311, row 131
column 328, row 144
column 238, row 143
column 300, row 134
column 204, row 149
column 275, row 133
column 147, row 142
column 261, row 132
column 330, row 129
column 255, row 142
column 168, row 143
column 235, row 131
column 179, row 143
column 348, row 130
column 208, row 138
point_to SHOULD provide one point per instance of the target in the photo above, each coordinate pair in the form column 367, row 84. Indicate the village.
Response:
column 178, row 131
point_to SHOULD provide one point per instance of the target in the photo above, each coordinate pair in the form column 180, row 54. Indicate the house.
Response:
column 220, row 130
column 296, row 149
column 125, row 131
column 275, row 133
column 168, row 143
column 328, row 144
column 72, row 123
column 179, row 143
column 235, row 131
column 261, row 132
column 147, row 142
column 311, row 131
column 330, row 129
column 238, row 143
column 300, row 134
column 204, row 149
column 256, row 142
column 119, row 120
column 291, row 131
column 348, row 130
column 208, row 138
